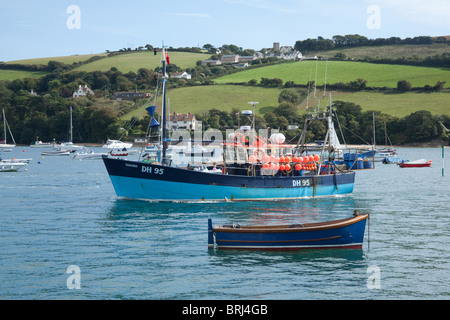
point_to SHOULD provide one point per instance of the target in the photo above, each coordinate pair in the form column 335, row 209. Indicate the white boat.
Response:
column 28, row 160
column 116, row 144
column 4, row 145
column 88, row 155
column 57, row 152
column 9, row 165
column 70, row 146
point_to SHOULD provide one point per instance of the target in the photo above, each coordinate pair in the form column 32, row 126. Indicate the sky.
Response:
column 51, row 28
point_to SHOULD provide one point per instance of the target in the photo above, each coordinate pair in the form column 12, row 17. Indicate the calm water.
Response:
column 63, row 212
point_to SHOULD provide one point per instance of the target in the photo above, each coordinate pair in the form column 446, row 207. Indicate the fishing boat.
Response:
column 343, row 233
column 39, row 144
column 421, row 163
column 251, row 170
column 4, row 145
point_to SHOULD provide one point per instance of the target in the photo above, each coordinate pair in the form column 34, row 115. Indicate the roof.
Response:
column 182, row 117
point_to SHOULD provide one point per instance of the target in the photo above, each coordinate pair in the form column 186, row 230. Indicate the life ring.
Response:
column 259, row 154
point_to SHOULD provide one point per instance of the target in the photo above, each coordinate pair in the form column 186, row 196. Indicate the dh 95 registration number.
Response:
column 301, row 183
column 159, row 171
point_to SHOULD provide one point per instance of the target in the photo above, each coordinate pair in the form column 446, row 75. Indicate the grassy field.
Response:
column 223, row 97
column 144, row 59
column 16, row 74
column 227, row 97
column 64, row 59
column 377, row 75
column 398, row 104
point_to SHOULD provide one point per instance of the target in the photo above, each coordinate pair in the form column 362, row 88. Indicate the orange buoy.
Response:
column 316, row 158
column 282, row 159
column 265, row 166
column 252, row 159
column 282, row 167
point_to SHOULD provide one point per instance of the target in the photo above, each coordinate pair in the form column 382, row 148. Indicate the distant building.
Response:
column 130, row 95
column 247, row 58
column 276, row 46
column 230, row 58
column 183, row 121
column 82, row 91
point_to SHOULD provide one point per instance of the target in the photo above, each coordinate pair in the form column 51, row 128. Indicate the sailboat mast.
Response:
column 164, row 133
column 4, row 123
column 374, row 144
column 71, row 125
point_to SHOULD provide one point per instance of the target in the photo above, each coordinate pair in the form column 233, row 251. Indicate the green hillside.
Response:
column 377, row 75
column 227, row 97
column 18, row 74
column 143, row 59
column 124, row 62
column 221, row 97
column 386, row 51
column 63, row 59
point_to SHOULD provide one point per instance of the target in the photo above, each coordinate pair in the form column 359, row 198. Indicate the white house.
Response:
column 82, row 91
column 183, row 121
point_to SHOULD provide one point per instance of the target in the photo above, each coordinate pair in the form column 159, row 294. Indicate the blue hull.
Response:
column 345, row 233
column 137, row 180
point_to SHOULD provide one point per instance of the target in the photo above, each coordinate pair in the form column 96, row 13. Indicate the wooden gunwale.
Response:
column 307, row 227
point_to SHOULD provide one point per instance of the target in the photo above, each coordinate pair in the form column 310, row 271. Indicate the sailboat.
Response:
column 251, row 171
column 4, row 145
column 69, row 144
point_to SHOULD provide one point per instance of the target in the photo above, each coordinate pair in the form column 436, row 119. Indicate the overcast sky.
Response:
column 49, row 28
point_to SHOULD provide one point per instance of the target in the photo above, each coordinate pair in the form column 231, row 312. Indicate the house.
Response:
column 230, row 58
column 183, row 121
column 130, row 95
column 181, row 75
column 82, row 91
column 246, row 58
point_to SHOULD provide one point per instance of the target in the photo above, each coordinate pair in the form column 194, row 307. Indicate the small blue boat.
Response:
column 343, row 233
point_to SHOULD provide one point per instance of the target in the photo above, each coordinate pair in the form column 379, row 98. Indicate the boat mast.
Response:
column 4, row 123
column 71, row 125
column 164, row 133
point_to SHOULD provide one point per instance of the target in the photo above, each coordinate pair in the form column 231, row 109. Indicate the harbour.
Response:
column 62, row 212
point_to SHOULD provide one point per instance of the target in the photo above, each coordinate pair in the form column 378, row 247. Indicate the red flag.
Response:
column 167, row 58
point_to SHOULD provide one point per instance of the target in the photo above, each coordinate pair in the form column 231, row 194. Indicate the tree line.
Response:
column 356, row 40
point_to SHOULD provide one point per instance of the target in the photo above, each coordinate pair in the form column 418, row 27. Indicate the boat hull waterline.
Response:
column 137, row 180
column 339, row 234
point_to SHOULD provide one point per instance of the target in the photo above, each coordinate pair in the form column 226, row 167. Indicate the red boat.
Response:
column 415, row 164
